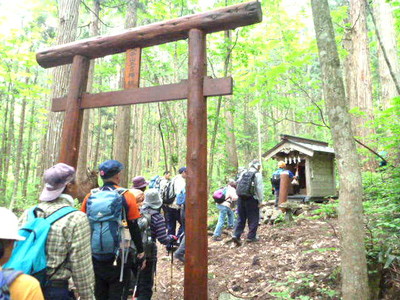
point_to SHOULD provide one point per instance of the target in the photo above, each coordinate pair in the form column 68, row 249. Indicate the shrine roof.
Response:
column 305, row 146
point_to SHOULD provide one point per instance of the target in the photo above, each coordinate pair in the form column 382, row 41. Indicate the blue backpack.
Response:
column 7, row 277
column 155, row 182
column 105, row 210
column 181, row 197
column 29, row 255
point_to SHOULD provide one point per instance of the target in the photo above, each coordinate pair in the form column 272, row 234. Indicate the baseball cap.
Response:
column 55, row 180
column 109, row 168
column 9, row 225
column 181, row 170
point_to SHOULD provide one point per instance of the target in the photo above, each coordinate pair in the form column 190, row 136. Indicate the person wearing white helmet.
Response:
column 13, row 284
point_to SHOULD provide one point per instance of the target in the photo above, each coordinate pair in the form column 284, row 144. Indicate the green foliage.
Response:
column 382, row 211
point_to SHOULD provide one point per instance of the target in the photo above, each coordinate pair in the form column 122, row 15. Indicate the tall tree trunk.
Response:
column 17, row 167
column 358, row 75
column 124, row 115
column 27, row 168
column 385, row 27
column 84, row 146
column 9, row 145
column 353, row 256
column 68, row 13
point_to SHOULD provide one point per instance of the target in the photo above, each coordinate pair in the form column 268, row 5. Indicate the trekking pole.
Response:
column 172, row 273
column 137, row 282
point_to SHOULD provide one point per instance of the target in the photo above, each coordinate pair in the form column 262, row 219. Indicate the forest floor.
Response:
column 299, row 260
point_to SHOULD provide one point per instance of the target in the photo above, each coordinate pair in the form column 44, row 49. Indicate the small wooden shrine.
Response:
column 315, row 163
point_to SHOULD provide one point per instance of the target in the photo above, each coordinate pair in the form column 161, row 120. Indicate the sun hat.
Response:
column 139, row 182
column 109, row 168
column 181, row 170
column 55, row 180
column 9, row 225
column 152, row 199
column 281, row 164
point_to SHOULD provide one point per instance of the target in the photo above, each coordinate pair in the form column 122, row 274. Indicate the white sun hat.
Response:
column 9, row 225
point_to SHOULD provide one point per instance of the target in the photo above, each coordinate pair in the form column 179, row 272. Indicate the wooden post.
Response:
column 284, row 189
column 196, row 185
column 71, row 133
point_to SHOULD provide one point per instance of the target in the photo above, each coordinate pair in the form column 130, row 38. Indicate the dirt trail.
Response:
column 297, row 260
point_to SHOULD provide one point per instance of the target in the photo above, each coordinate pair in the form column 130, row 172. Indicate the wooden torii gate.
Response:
column 195, row 89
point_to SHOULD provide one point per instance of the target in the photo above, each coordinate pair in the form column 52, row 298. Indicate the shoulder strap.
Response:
column 60, row 213
column 31, row 213
column 8, row 277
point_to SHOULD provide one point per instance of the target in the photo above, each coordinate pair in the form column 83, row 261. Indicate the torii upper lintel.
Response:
column 225, row 18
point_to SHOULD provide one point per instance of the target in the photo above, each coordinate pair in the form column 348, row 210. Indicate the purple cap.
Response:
column 139, row 182
column 56, row 179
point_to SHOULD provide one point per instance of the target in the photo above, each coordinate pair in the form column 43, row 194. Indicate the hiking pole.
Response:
column 172, row 272
column 137, row 281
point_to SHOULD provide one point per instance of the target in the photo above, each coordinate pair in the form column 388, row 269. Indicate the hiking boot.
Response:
column 237, row 241
column 253, row 240
column 217, row 238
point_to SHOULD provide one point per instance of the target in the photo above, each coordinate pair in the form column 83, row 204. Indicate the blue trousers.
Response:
column 224, row 212
column 249, row 211
column 173, row 215
column 58, row 293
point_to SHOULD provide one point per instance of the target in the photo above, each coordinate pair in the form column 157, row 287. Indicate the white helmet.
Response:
column 9, row 225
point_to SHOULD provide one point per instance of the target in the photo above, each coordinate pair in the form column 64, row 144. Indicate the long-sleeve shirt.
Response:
column 158, row 230
column 179, row 184
column 68, row 246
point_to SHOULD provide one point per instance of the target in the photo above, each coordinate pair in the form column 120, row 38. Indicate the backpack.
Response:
column 245, row 187
column 168, row 194
column 105, row 211
column 7, row 277
column 219, row 195
column 276, row 179
column 29, row 255
column 144, row 223
column 181, row 197
column 155, row 182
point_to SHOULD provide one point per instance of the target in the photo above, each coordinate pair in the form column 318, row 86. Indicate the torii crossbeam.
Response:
column 195, row 89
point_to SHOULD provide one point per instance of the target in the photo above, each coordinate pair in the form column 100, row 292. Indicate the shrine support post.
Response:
column 196, row 201
column 71, row 134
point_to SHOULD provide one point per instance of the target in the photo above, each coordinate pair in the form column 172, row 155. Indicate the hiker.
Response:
column 250, row 191
column 164, row 180
column 172, row 210
column 225, row 209
column 181, row 201
column 68, row 241
column 14, row 284
column 139, row 186
column 275, row 180
column 157, row 231
column 108, row 208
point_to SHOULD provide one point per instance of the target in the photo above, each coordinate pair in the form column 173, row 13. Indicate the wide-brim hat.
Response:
column 9, row 225
column 56, row 179
column 152, row 199
column 139, row 182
